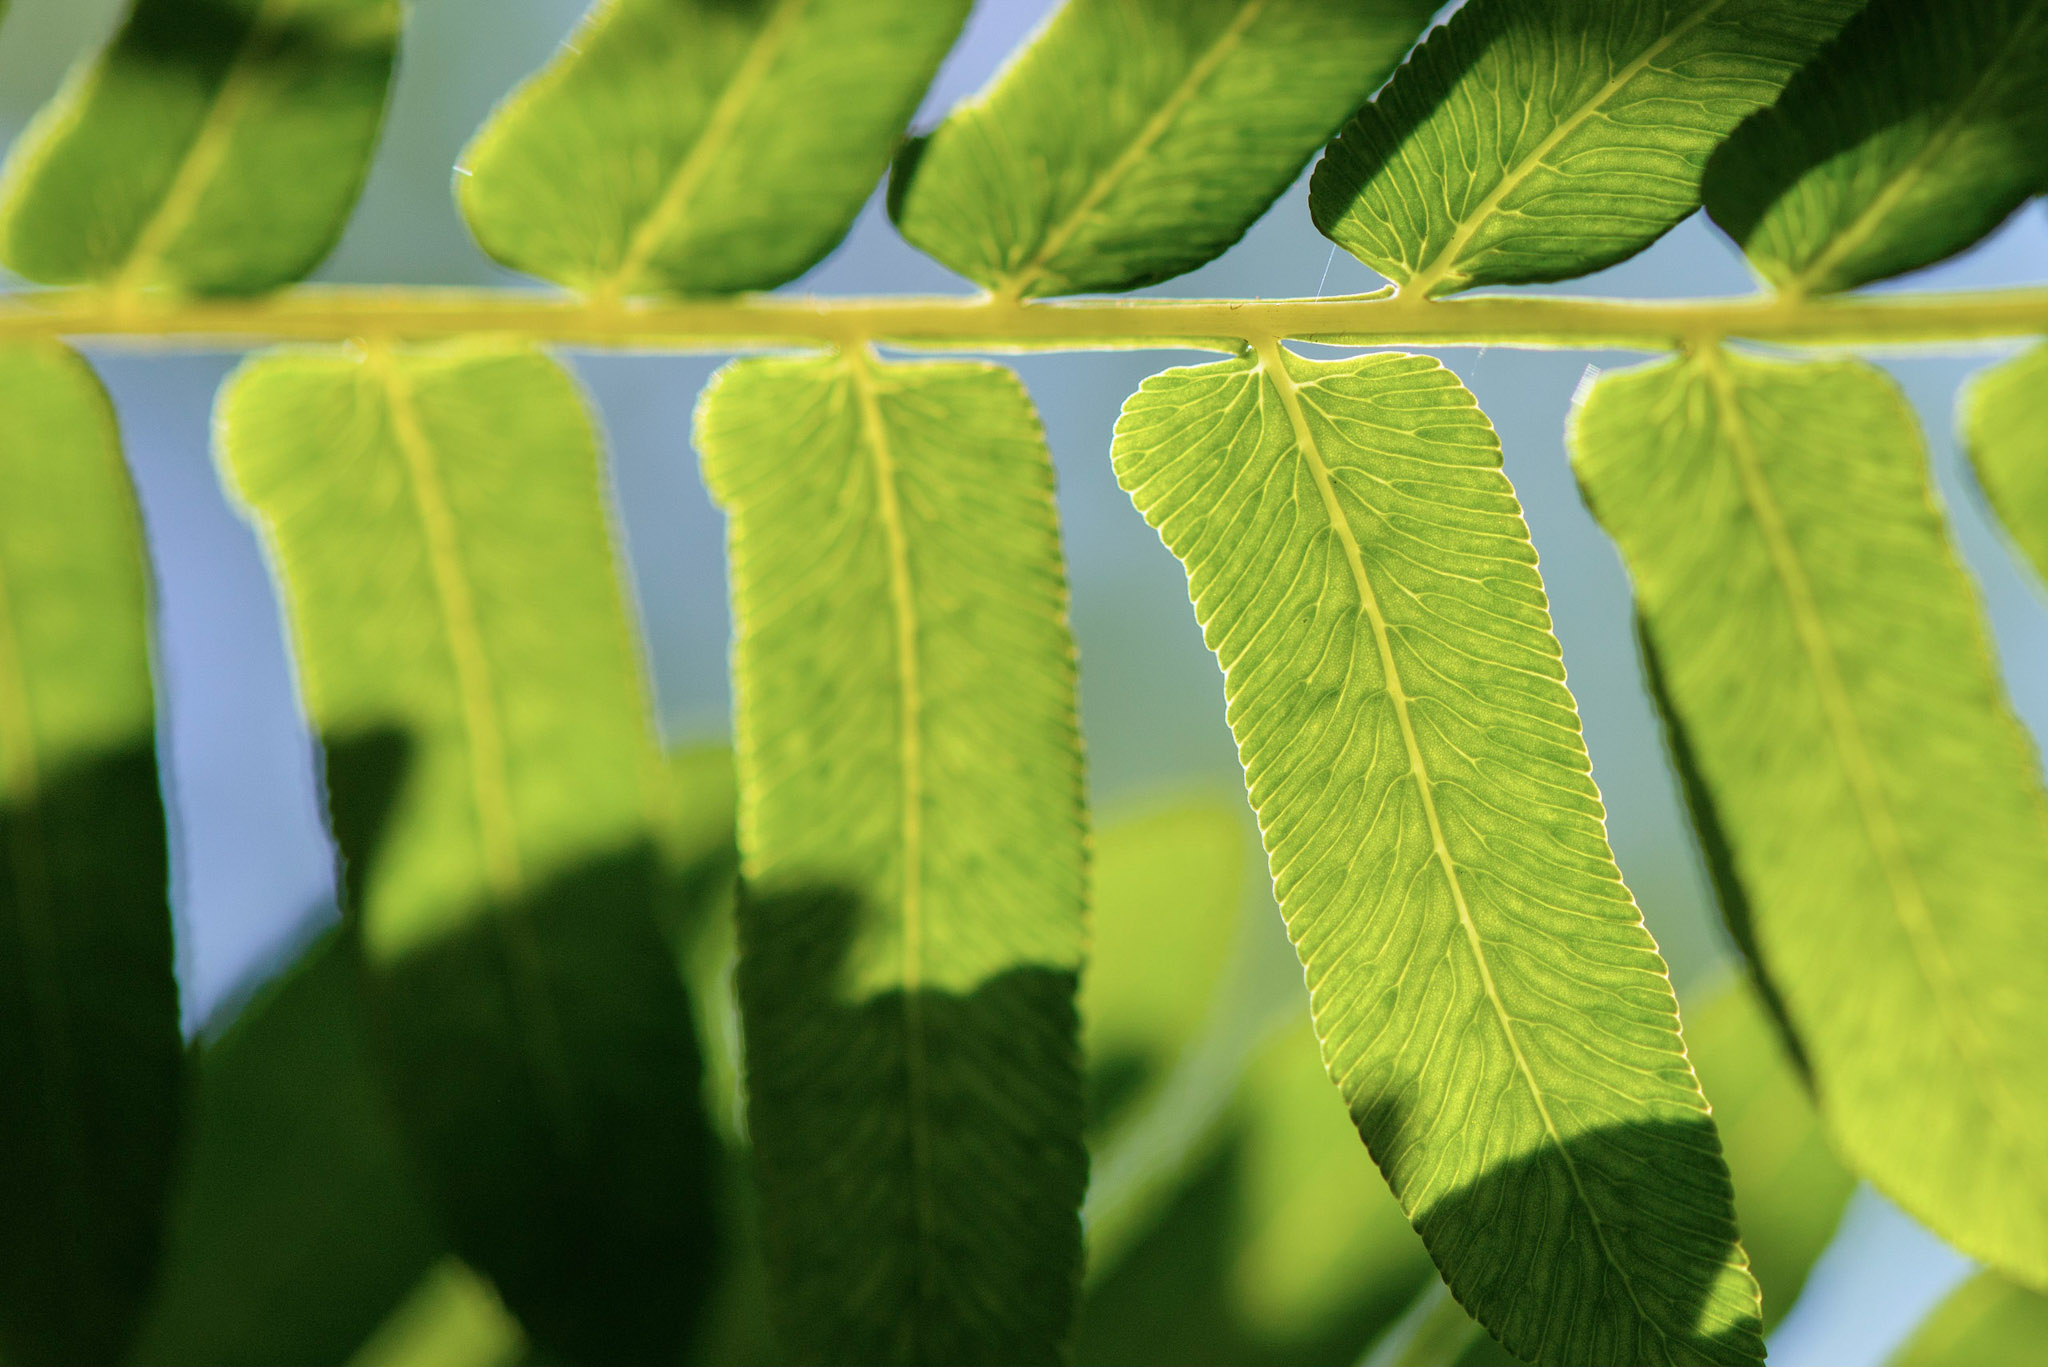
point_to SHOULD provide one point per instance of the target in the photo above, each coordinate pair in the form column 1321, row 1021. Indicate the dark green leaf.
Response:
column 297, row 1222
column 701, row 146
column 215, row 148
column 1826, row 672
column 1489, row 1003
column 438, row 525
column 1134, row 140
column 1284, row 1246
column 90, row 1062
column 2005, row 427
column 1911, row 138
column 1533, row 140
column 911, row 837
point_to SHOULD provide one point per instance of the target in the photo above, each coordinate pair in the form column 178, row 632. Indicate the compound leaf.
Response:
column 2005, row 429
column 1911, row 138
column 1826, row 676
column 1986, row 1319
column 297, row 1222
column 90, row 1060
column 1533, row 140
column 701, row 146
column 1789, row 1188
column 1497, row 1018
column 438, row 527
column 912, row 854
column 216, row 147
column 1134, row 140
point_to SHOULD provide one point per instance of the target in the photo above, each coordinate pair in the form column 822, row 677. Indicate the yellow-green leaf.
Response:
column 1985, row 1320
column 1533, row 140
column 438, row 527
column 1828, row 682
column 1492, row 1009
column 1908, row 140
column 701, row 146
column 215, row 147
column 2005, row 429
column 1134, row 140
column 90, row 1064
column 912, row 855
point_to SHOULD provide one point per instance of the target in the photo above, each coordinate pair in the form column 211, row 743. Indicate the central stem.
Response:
column 985, row 323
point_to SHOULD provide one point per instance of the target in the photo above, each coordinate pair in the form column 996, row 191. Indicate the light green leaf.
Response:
column 1169, row 885
column 1534, row 140
column 438, row 527
column 2005, row 429
column 216, row 147
column 452, row 1319
column 1827, row 677
column 912, row 852
column 297, row 1222
column 1134, row 140
column 701, row 146
column 1489, row 1003
column 1789, row 1188
column 1911, row 138
column 1985, row 1320
column 90, row 1061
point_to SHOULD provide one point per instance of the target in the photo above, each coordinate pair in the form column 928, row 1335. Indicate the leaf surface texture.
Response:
column 1911, row 138
column 911, row 841
column 701, row 146
column 1492, row 1009
column 215, row 147
column 90, row 1060
column 1823, row 665
column 438, row 527
column 1533, row 140
column 1134, row 140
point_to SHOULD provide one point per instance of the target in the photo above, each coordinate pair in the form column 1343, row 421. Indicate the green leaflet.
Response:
column 1134, row 140
column 1533, row 140
column 911, row 837
column 439, row 530
column 2005, row 428
column 452, row 1319
column 701, row 146
column 1911, row 138
column 90, row 1061
column 1987, row 1319
column 1789, row 1188
column 215, row 148
column 297, row 1222
column 1489, row 1003
column 1828, row 684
